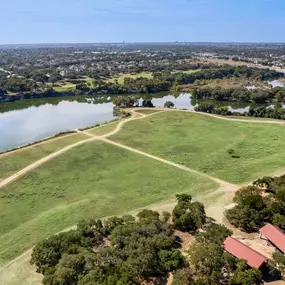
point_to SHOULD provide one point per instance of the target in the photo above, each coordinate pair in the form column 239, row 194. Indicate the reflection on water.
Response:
column 29, row 120
column 183, row 101
column 277, row 83
column 34, row 123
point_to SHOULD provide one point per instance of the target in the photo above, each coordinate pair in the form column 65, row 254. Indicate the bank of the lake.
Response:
column 26, row 121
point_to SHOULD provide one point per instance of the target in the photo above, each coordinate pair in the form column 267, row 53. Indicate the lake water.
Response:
column 23, row 126
column 30, row 120
column 277, row 83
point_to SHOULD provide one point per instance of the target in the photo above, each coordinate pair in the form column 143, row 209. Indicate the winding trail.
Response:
column 67, row 148
column 182, row 167
column 227, row 118
column 225, row 187
column 135, row 116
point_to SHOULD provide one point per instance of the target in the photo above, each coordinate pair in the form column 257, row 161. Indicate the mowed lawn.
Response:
column 201, row 142
column 147, row 112
column 121, row 77
column 104, row 129
column 94, row 180
column 15, row 161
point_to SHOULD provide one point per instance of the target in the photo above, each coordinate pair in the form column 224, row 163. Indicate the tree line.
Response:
column 161, row 81
column 259, row 112
column 133, row 250
column 240, row 94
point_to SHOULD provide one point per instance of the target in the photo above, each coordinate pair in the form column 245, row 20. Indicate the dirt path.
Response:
column 41, row 161
column 59, row 152
column 182, row 167
column 278, row 122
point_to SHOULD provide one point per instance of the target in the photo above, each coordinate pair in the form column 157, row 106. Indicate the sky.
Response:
column 93, row 21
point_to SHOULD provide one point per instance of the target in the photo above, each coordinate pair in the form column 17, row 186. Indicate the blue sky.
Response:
column 71, row 21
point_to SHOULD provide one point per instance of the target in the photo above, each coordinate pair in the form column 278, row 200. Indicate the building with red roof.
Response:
column 274, row 235
column 242, row 251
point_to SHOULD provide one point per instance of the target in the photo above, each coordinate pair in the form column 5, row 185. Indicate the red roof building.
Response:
column 242, row 251
column 274, row 235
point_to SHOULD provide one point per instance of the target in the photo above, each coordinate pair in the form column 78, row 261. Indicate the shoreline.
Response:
column 55, row 136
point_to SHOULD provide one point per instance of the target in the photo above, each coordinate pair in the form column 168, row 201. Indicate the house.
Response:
column 242, row 251
column 274, row 235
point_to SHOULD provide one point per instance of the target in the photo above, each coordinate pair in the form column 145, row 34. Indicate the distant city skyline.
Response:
column 115, row 21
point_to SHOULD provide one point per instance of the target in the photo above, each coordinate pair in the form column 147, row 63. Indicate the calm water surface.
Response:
column 23, row 126
column 53, row 115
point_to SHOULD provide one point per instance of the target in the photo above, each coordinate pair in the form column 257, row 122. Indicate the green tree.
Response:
column 214, row 234
column 245, row 276
column 188, row 216
column 183, row 277
column 168, row 104
column 279, row 261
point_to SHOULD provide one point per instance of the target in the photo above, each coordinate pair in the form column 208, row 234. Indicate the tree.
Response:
column 188, row 216
column 279, row 221
column 183, row 277
column 245, row 276
column 231, row 151
column 147, row 103
column 148, row 215
column 251, row 211
column 171, row 259
column 279, row 261
column 214, row 234
column 206, row 258
column 168, row 104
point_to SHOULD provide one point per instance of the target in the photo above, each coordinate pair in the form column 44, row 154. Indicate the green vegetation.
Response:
column 92, row 180
column 201, row 142
column 121, row 78
column 188, row 215
column 190, row 71
column 103, row 129
column 253, row 210
column 147, row 112
column 15, row 161
column 132, row 250
column 127, row 252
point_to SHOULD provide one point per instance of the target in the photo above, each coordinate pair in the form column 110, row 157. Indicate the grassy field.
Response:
column 92, row 180
column 122, row 77
column 104, row 129
column 15, row 161
column 190, row 71
column 147, row 112
column 201, row 142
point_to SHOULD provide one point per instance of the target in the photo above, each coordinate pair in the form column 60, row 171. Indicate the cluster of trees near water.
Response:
column 132, row 250
column 240, row 94
column 259, row 112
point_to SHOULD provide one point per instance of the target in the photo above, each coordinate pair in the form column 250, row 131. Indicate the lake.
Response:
column 26, row 121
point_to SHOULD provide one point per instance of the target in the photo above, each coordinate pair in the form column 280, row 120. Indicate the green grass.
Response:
column 147, row 112
column 104, row 129
column 64, row 87
column 15, row 161
column 92, row 180
column 190, row 71
column 122, row 77
column 201, row 142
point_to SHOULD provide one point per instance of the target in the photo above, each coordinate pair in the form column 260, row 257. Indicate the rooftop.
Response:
column 275, row 235
column 242, row 251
